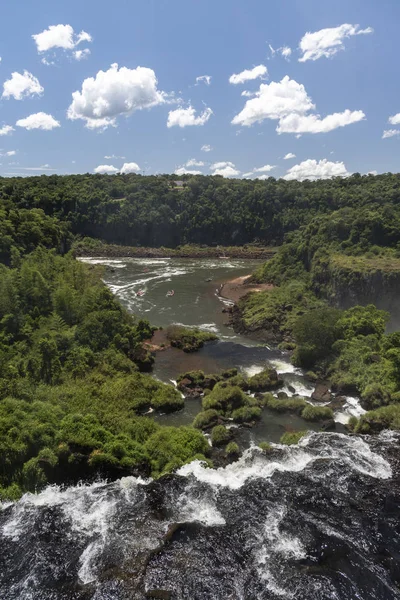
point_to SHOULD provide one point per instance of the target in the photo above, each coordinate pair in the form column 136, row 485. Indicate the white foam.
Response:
column 254, row 464
column 283, row 366
column 352, row 408
column 253, row 370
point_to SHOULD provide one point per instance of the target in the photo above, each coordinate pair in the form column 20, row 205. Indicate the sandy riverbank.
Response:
column 235, row 289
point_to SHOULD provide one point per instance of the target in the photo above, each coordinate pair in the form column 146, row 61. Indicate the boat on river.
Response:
column 140, row 293
column 170, row 293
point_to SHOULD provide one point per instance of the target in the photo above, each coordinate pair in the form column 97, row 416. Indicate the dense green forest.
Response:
column 153, row 211
column 71, row 392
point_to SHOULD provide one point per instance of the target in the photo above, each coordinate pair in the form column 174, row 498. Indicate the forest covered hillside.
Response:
column 154, row 211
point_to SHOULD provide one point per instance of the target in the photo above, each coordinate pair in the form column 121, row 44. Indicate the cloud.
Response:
column 289, row 155
column 106, row 170
column 395, row 119
column 206, row 148
column 59, row 36
column 388, row 133
column 311, row 169
column 130, row 168
column 186, row 117
column 286, row 52
column 274, row 101
column 263, row 177
column 42, row 168
column 114, row 156
column 184, row 171
column 6, row 130
column 204, row 79
column 248, row 75
column 299, row 124
column 9, row 153
column 21, row 86
column 81, row 54
column 38, row 120
column 264, row 169
column 288, row 102
column 194, row 163
column 113, row 93
column 226, row 169
column 328, row 42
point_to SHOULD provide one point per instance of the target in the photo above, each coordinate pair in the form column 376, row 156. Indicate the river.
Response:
column 315, row 521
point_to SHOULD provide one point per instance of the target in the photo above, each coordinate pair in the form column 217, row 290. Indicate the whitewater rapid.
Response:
column 308, row 522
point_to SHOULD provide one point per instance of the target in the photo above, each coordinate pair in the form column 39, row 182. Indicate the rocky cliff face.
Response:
column 366, row 281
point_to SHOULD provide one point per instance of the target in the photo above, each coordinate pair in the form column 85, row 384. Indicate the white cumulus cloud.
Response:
column 60, row 36
column 185, row 171
column 288, row 102
column 38, row 120
column 6, row 130
column 118, row 91
column 21, row 85
column 81, row 54
column 194, row 163
column 289, row 155
column 186, row 117
column 264, row 169
column 312, row 169
column 204, row 79
column 130, row 168
column 106, row 170
column 248, row 75
column 225, row 168
column 395, row 119
column 328, row 42
column 299, row 124
column 206, row 148
column 388, row 133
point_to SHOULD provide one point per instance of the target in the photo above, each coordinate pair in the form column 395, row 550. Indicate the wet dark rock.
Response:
column 282, row 395
column 321, row 393
column 291, row 389
column 159, row 594
column 337, row 403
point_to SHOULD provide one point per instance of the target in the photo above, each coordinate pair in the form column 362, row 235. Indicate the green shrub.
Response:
column 265, row 446
column 174, row 443
column 225, row 399
column 316, row 413
column 246, row 414
column 266, row 380
column 296, row 405
column 386, row 417
column 219, row 435
column 205, row 419
column 291, row 438
column 232, row 449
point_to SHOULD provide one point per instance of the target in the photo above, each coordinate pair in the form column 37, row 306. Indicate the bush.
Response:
column 188, row 340
column 266, row 380
column 167, row 399
column 246, row 414
column 292, row 438
column 317, row 413
column 296, row 405
column 386, row 417
column 232, row 449
column 174, row 443
column 205, row 419
column 225, row 399
column 265, row 447
column 219, row 435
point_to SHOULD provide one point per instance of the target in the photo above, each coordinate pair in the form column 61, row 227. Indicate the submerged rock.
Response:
column 321, row 393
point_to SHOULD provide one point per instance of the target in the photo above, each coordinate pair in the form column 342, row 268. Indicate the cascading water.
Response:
column 315, row 521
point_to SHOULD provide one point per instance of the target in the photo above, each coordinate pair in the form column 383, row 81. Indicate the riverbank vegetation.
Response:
column 72, row 394
column 321, row 271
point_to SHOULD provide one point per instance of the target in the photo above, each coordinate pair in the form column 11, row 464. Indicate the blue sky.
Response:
column 345, row 92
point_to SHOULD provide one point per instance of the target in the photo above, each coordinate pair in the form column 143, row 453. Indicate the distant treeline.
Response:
column 155, row 211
